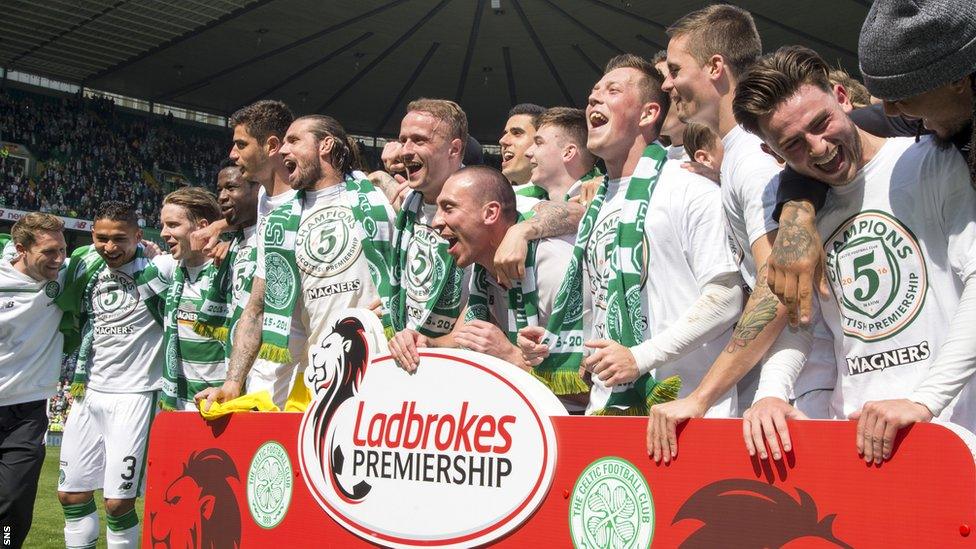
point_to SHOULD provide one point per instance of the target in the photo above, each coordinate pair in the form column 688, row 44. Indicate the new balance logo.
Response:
column 125, row 486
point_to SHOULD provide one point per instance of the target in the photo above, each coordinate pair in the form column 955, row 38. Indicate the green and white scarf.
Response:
column 447, row 277
column 84, row 269
column 560, row 370
column 174, row 379
column 625, row 322
column 219, row 313
column 531, row 190
column 282, row 279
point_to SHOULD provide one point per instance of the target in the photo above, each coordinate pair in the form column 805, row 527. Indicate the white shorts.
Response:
column 276, row 379
column 104, row 444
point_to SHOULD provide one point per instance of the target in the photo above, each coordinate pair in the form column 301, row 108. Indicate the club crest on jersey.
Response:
column 877, row 274
column 280, row 283
column 326, row 243
column 52, row 289
column 375, row 434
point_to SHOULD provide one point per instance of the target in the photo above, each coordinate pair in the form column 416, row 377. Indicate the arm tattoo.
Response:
column 553, row 219
column 760, row 311
column 793, row 240
column 247, row 335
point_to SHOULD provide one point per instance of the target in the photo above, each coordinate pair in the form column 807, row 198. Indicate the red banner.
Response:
column 239, row 480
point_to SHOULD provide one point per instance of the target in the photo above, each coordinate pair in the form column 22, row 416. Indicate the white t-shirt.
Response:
column 329, row 254
column 127, row 344
column 418, row 276
column 268, row 204
column 750, row 179
column 678, row 152
column 900, row 239
column 30, row 343
column 685, row 240
column 747, row 194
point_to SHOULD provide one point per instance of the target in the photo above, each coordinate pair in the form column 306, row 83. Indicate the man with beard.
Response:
column 321, row 252
column 116, row 380
column 652, row 256
column 30, row 359
column 929, row 81
column 709, row 51
column 900, row 229
column 193, row 361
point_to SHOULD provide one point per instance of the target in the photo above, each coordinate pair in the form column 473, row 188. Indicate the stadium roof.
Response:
column 363, row 60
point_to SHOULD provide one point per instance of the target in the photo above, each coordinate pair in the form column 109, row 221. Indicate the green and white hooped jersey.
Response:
column 899, row 241
column 8, row 250
column 127, row 345
column 419, row 275
column 202, row 357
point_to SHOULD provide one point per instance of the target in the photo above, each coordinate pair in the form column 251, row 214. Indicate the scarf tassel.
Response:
column 274, row 353
column 220, row 333
column 77, row 390
column 562, row 383
column 663, row 391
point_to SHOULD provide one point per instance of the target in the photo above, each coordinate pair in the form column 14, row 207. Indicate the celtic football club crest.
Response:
column 280, row 282
column 52, row 289
column 877, row 273
column 424, row 264
column 114, row 297
column 637, row 318
column 269, row 484
column 327, row 243
column 611, row 506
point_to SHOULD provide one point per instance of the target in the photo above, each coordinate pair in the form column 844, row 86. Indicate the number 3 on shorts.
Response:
column 130, row 462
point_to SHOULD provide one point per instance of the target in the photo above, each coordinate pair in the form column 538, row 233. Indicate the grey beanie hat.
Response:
column 911, row 46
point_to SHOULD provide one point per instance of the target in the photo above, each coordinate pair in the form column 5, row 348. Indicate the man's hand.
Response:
column 207, row 237
column 878, row 423
column 510, row 256
column 228, row 391
column 529, row 342
column 404, row 347
column 796, row 262
column 150, row 249
column 485, row 337
column 662, row 426
column 767, row 420
column 698, row 168
column 217, row 252
column 377, row 308
column 588, row 189
column 612, row 362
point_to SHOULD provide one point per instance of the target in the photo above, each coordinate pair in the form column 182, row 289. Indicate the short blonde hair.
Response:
column 446, row 111
column 24, row 231
column 856, row 92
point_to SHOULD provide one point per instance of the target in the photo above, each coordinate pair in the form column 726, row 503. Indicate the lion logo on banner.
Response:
column 755, row 515
column 199, row 509
column 336, row 371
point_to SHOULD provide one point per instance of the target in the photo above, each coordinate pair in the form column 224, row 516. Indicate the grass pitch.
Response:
column 47, row 530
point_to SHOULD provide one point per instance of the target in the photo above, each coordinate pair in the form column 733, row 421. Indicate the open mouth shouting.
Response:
column 291, row 165
column 507, row 156
column 596, row 119
column 832, row 162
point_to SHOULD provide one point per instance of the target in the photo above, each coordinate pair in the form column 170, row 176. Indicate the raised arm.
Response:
column 551, row 219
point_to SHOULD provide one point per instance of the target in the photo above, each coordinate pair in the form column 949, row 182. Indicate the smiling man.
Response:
column 475, row 209
column 899, row 227
column 193, row 361
column 516, row 138
column 558, row 155
column 116, row 381
column 30, row 359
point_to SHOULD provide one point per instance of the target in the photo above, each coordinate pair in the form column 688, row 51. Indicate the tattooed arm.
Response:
column 247, row 342
column 761, row 322
column 796, row 261
column 551, row 218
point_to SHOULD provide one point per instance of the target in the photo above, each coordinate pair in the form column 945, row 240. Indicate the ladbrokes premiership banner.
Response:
column 471, row 450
